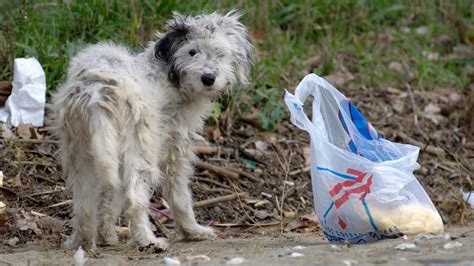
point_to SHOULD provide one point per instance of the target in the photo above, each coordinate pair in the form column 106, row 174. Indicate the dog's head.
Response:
column 206, row 54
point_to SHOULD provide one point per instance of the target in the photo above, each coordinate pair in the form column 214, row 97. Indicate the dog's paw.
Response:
column 198, row 233
column 74, row 241
column 109, row 238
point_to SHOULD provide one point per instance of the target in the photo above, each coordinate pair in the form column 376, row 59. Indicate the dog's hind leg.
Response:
column 84, row 210
column 105, row 151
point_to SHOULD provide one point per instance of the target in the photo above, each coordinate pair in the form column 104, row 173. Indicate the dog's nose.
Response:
column 208, row 79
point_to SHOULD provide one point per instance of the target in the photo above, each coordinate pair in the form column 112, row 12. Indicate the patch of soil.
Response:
column 246, row 178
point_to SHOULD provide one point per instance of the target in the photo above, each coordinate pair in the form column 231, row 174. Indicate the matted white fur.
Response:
column 126, row 123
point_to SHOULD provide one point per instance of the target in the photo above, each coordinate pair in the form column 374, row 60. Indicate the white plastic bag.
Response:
column 363, row 185
column 26, row 103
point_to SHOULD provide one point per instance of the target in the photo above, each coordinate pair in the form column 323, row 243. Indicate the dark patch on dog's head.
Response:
column 167, row 46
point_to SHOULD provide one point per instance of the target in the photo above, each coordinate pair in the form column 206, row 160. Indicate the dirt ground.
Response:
column 248, row 178
column 454, row 247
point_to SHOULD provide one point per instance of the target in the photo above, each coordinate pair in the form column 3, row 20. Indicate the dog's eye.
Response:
column 192, row 52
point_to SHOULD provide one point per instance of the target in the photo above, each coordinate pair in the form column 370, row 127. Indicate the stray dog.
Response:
column 126, row 124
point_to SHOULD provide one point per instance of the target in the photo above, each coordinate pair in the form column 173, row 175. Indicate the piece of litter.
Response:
column 298, row 248
column 79, row 258
column 454, row 244
column 406, row 246
column 199, row 258
column 26, row 103
column 468, row 197
column 349, row 262
column 261, row 145
column 171, row 261
column 3, row 207
column 296, row 255
column 237, row 260
column 12, row 241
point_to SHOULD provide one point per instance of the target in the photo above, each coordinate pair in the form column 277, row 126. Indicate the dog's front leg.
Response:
column 178, row 195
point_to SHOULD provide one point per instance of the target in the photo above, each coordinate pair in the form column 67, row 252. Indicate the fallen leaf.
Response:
column 307, row 156
column 396, row 66
column 45, row 148
column 305, row 223
column 7, row 133
column 25, row 221
column 339, row 78
column 50, row 224
column 26, row 132
column 260, row 214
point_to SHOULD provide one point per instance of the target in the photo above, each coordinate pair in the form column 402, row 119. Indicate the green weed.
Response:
column 363, row 36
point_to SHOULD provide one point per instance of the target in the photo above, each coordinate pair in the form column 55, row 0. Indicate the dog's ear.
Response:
column 167, row 45
column 243, row 53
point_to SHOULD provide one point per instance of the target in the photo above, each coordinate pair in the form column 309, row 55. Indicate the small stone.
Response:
column 12, row 241
column 237, row 260
column 79, row 258
column 299, row 248
column 454, row 244
column 396, row 66
column 296, row 255
column 423, row 30
column 171, row 261
column 349, row 262
column 406, row 246
column 3, row 207
column 198, row 258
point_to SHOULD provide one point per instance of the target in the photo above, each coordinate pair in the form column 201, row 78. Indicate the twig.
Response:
column 159, row 225
column 207, row 180
column 412, row 98
column 246, row 225
column 242, row 205
column 67, row 202
column 35, row 163
column 36, row 141
column 208, row 202
column 430, row 149
column 231, row 173
column 201, row 149
column 299, row 171
column 46, row 192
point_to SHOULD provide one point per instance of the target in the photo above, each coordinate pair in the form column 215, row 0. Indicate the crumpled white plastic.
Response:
column 26, row 103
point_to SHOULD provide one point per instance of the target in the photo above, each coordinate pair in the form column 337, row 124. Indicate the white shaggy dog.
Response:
column 126, row 124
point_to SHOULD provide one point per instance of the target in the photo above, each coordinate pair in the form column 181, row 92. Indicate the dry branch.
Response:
column 208, row 202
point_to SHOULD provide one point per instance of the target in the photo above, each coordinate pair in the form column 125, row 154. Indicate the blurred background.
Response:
column 369, row 43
